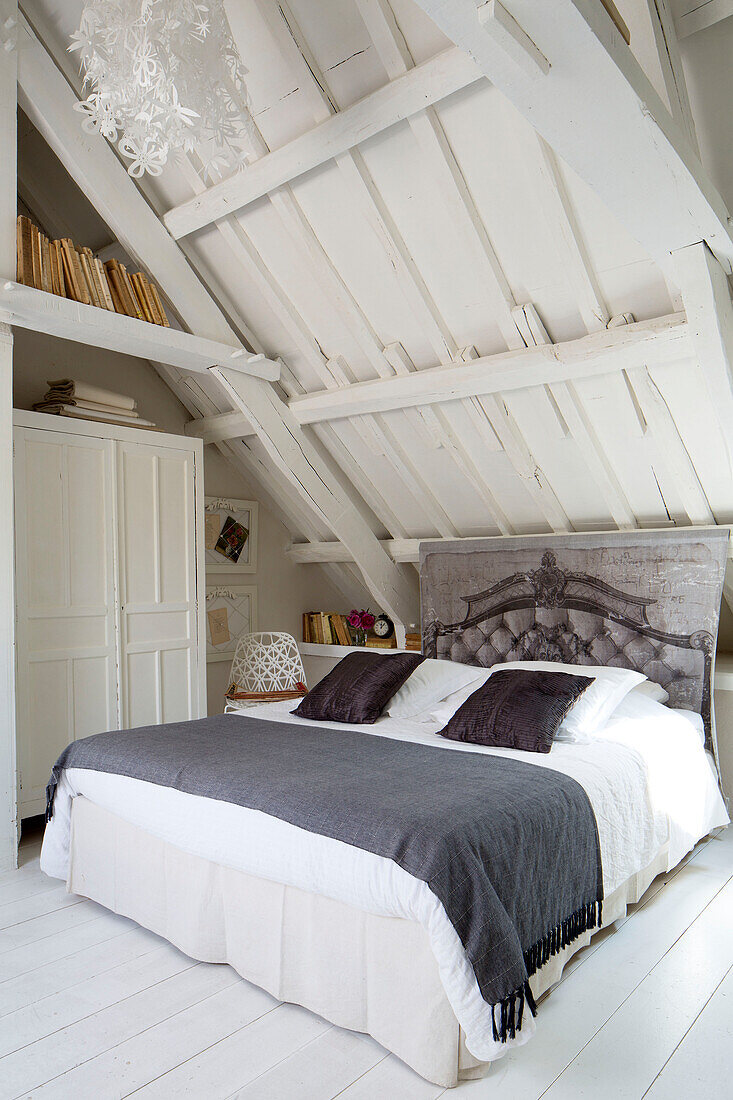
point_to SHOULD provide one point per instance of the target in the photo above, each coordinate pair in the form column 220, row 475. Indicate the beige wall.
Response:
column 284, row 590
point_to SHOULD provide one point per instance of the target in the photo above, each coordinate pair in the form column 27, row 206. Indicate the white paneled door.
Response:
column 108, row 573
column 159, row 652
column 65, row 578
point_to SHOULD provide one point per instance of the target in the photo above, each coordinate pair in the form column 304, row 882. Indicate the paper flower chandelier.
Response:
column 162, row 76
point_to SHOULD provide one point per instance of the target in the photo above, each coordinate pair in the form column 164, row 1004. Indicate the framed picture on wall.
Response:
column 230, row 535
column 231, row 610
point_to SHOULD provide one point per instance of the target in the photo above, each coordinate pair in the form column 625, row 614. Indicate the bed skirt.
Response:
column 359, row 970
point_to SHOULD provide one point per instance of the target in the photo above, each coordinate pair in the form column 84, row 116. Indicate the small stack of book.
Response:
column 66, row 397
column 326, row 628
column 375, row 642
column 413, row 641
column 59, row 267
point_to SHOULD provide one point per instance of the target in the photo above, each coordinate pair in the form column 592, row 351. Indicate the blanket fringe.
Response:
column 582, row 920
column 51, row 791
column 506, row 1015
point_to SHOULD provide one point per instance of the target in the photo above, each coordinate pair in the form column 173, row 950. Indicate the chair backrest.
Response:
column 267, row 661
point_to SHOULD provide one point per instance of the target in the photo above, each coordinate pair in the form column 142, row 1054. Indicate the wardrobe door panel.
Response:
column 67, row 674
column 157, row 550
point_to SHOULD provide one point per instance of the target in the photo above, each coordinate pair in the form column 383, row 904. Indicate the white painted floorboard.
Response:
column 93, row 1006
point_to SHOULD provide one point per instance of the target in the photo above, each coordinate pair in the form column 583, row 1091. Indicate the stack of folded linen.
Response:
column 65, row 397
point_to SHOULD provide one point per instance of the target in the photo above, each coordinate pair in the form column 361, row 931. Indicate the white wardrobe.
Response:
column 109, row 582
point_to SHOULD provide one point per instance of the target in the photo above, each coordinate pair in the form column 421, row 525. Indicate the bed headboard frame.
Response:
column 645, row 600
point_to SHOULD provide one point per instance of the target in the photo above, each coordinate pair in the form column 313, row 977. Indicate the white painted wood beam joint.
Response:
column 296, row 458
column 702, row 14
column 426, row 84
column 706, row 295
column 224, row 426
column 504, row 28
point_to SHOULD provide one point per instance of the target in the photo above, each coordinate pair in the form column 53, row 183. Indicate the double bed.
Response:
column 349, row 932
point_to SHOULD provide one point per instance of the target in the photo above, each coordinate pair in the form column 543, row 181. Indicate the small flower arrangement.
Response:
column 360, row 622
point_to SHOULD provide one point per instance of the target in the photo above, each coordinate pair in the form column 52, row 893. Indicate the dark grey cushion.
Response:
column 358, row 689
column 517, row 709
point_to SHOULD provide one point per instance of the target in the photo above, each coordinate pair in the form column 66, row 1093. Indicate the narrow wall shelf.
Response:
column 49, row 313
column 318, row 649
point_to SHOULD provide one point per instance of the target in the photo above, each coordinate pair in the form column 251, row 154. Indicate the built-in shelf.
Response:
column 49, row 313
column 318, row 649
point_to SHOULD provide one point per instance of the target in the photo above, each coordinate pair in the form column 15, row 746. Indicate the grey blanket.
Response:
column 511, row 850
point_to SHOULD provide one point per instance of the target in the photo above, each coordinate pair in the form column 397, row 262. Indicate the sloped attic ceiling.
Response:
column 449, row 237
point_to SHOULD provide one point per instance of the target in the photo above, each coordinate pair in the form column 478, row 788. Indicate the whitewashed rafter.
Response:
column 644, row 167
column 295, row 458
column 428, row 131
column 706, row 295
column 401, row 550
column 670, row 61
column 700, row 14
column 434, row 80
column 664, row 339
column 566, row 230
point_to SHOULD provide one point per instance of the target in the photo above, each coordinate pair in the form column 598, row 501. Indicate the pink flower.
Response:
column 354, row 619
column 367, row 620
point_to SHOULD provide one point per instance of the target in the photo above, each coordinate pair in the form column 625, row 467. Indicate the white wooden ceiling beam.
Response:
column 49, row 99
column 504, row 29
column 597, row 109
column 683, row 477
column 287, row 447
column 289, row 40
column 400, row 550
column 567, row 399
column 428, row 131
column 664, row 339
column 706, row 296
column 566, row 229
column 524, row 463
column 567, row 402
column 428, row 83
column 221, row 426
column 357, row 473
column 701, row 14
column 670, row 61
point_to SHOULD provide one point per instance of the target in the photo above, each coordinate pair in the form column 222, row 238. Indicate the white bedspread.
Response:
column 649, row 781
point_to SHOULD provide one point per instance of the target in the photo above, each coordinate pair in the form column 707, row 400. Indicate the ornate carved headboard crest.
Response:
column 649, row 601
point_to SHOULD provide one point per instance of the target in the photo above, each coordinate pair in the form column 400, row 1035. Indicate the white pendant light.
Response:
column 162, row 76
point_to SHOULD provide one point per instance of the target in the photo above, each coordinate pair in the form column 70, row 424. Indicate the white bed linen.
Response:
column 634, row 783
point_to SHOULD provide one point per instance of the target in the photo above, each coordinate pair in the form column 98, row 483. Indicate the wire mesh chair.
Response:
column 265, row 665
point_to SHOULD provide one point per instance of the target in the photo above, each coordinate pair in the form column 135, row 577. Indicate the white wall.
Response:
column 284, row 590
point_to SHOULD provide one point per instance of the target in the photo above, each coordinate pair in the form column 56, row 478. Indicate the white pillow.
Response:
column 650, row 690
column 640, row 706
column 431, row 682
column 444, row 710
column 591, row 711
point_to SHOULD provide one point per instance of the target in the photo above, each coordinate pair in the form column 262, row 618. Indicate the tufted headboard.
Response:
column 648, row 601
